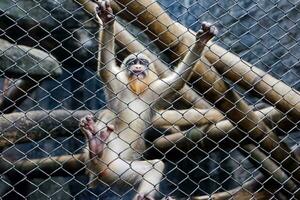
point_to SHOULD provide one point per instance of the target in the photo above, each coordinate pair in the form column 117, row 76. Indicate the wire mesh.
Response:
column 227, row 131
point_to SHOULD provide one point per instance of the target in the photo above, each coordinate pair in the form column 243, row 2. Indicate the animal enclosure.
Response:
column 149, row 99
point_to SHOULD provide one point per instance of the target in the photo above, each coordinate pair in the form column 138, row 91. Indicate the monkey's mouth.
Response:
column 138, row 73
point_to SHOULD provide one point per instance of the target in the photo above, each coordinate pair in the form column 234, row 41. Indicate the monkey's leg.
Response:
column 152, row 174
column 149, row 173
column 96, row 134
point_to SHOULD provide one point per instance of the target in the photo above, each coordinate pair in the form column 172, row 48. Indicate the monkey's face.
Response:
column 137, row 67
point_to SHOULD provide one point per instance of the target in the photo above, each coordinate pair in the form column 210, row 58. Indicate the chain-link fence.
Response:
column 181, row 118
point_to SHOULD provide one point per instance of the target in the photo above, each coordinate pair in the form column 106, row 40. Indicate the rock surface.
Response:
column 20, row 61
column 60, row 27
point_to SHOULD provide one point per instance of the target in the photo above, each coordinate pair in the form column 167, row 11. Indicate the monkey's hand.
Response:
column 104, row 12
column 143, row 197
column 207, row 32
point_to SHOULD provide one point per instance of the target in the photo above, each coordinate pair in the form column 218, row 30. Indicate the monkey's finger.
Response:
column 83, row 122
column 85, row 131
column 168, row 198
column 108, row 8
column 206, row 26
column 200, row 32
column 139, row 197
column 149, row 198
column 89, row 118
column 144, row 197
column 98, row 10
column 107, row 3
column 96, row 1
column 102, row 5
column 214, row 30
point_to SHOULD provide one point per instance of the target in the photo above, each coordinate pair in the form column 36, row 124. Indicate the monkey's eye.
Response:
column 144, row 62
column 135, row 61
column 131, row 62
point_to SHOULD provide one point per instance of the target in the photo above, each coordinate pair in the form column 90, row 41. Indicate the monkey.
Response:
column 132, row 90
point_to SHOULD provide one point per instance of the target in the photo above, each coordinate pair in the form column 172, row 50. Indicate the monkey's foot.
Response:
column 143, row 197
column 207, row 32
column 95, row 135
column 104, row 11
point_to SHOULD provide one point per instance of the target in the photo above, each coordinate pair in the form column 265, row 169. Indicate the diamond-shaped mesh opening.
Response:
column 144, row 99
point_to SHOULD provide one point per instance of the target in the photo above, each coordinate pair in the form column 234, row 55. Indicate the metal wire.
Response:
column 49, row 57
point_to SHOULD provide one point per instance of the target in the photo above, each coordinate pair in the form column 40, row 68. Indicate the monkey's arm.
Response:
column 107, row 67
column 176, row 80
